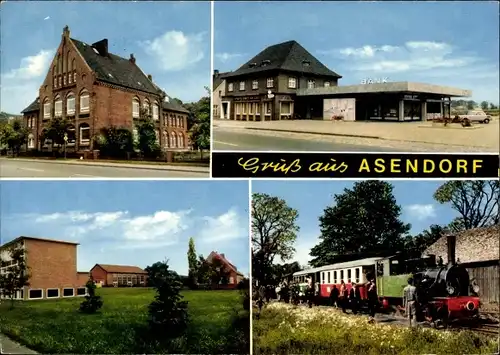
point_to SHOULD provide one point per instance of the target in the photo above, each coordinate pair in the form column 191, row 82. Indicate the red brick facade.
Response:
column 234, row 276
column 75, row 90
column 118, row 275
column 52, row 267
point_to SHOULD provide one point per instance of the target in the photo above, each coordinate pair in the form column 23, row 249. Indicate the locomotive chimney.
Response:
column 451, row 243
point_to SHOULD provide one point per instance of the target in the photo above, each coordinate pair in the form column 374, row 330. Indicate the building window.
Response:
column 35, row 294
column 270, row 82
column 64, row 79
column 286, row 108
column 58, row 107
column 70, row 104
column 60, row 81
column 135, row 108
column 147, row 107
column 292, row 83
column 84, row 102
column 231, row 280
column 71, row 131
column 220, row 93
column 135, row 135
column 255, row 84
column 31, row 141
column 81, row 291
column 55, row 82
column 74, row 76
column 52, row 293
column 157, row 136
column 156, row 116
column 242, row 85
column 327, row 84
column 46, row 109
column 84, row 133
column 173, row 140
column 230, row 87
column 311, row 84
column 181, row 140
column 165, row 139
column 68, row 292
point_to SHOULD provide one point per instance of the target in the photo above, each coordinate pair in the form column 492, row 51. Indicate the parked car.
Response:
column 475, row 116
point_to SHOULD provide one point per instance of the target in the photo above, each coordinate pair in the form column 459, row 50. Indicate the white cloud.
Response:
column 31, row 67
column 226, row 57
column 421, row 212
column 303, row 247
column 175, row 50
column 227, row 226
column 46, row 18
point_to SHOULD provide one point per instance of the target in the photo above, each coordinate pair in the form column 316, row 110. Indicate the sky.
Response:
column 170, row 41
column 443, row 43
column 131, row 222
column 310, row 198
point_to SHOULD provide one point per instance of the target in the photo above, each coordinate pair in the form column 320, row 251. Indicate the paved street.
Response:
column 20, row 168
column 7, row 346
column 257, row 141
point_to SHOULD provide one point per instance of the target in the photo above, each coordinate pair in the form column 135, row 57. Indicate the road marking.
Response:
column 234, row 145
column 31, row 169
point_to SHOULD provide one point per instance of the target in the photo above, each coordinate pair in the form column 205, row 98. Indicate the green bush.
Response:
column 92, row 302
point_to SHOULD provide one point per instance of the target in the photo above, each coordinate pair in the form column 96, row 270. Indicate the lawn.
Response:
column 286, row 329
column 218, row 324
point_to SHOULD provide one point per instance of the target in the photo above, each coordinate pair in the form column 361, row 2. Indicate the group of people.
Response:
column 351, row 298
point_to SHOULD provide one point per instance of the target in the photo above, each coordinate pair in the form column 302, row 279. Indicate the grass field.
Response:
column 285, row 329
column 217, row 324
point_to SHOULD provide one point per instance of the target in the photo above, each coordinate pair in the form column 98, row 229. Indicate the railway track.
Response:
column 487, row 329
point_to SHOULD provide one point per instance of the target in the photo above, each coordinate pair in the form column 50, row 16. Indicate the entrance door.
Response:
column 225, row 110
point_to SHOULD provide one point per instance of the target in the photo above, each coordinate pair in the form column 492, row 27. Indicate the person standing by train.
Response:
column 316, row 294
column 343, row 296
column 409, row 302
column 354, row 298
column 372, row 297
column 334, row 297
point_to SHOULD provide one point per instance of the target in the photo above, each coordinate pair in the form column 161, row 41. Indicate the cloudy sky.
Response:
column 310, row 198
column 170, row 40
column 443, row 43
column 131, row 222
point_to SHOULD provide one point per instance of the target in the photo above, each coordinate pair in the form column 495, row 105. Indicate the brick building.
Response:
column 52, row 266
column 95, row 89
column 119, row 275
column 234, row 275
column 264, row 88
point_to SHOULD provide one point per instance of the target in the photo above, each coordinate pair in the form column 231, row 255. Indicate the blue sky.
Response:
column 131, row 222
column 170, row 40
column 310, row 198
column 443, row 43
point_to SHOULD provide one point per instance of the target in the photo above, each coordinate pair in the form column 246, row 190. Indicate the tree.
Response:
column 147, row 141
column 17, row 275
column 115, row 142
column 274, row 231
column 14, row 135
column 493, row 106
column 168, row 316
column 471, row 104
column 92, row 302
column 416, row 245
column 475, row 201
column 212, row 272
column 200, row 131
column 485, row 105
column 56, row 129
column 364, row 218
column 192, row 263
column 156, row 272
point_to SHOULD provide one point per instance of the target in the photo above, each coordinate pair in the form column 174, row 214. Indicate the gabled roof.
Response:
column 115, row 70
column 173, row 105
column 219, row 78
column 34, row 106
column 289, row 56
column 125, row 269
column 473, row 245
column 224, row 260
column 21, row 238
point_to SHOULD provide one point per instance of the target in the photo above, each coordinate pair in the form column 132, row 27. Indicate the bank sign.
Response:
column 375, row 80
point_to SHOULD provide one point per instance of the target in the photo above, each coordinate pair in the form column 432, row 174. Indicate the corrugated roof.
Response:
column 124, row 269
column 289, row 56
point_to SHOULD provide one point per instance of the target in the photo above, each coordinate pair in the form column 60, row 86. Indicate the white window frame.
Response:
column 242, row 86
column 157, row 136
column 31, row 141
column 292, row 82
column 84, row 109
column 136, row 108
column 269, row 83
column 79, row 288
column 80, row 131
column 180, row 140
column 68, row 288
column 327, row 84
column 156, row 115
column 147, row 106
column 46, row 110
column 255, row 84
column 231, row 280
column 50, row 289
column 68, row 110
column 311, row 84
column 230, row 87
column 58, row 110
column 35, row 298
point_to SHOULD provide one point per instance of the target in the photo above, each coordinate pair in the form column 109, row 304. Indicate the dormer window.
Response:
column 266, row 62
column 252, row 65
column 95, row 50
column 306, row 63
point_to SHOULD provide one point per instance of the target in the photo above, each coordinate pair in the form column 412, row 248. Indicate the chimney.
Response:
column 216, row 73
column 223, row 256
column 102, row 47
column 451, row 243
column 150, row 77
column 65, row 31
column 132, row 58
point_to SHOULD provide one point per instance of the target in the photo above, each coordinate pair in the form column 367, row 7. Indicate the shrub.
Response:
column 92, row 302
column 168, row 316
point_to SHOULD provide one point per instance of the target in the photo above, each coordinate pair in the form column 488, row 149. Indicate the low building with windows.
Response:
column 95, row 89
column 51, row 265
column 285, row 81
column 119, row 275
column 234, row 276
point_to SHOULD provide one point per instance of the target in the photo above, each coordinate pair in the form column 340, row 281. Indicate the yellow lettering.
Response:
column 476, row 164
column 379, row 165
column 282, row 166
column 461, row 165
column 413, row 167
column 364, row 166
column 445, row 166
column 319, row 166
column 427, row 163
column 395, row 165
column 249, row 164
